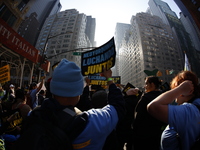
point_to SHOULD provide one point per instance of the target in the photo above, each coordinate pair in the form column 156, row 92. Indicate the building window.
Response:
column 7, row 15
column 65, row 45
column 22, row 4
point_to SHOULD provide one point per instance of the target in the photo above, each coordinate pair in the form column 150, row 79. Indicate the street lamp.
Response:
column 46, row 43
column 45, row 49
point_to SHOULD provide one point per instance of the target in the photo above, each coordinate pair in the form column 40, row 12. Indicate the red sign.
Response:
column 12, row 40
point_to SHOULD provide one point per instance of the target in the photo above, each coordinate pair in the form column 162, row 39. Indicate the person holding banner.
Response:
column 66, row 87
column 124, row 128
column 84, row 103
column 183, row 119
column 33, row 93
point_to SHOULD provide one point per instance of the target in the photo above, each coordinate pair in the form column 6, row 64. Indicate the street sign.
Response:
column 77, row 53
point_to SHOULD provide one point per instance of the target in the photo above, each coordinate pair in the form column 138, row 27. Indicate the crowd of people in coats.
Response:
column 134, row 120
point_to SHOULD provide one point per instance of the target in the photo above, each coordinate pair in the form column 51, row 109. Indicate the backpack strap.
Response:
column 69, row 111
column 74, row 122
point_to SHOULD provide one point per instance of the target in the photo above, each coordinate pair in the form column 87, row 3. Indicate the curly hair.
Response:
column 185, row 75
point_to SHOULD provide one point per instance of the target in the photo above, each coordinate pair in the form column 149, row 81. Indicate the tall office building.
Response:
column 90, row 29
column 44, row 8
column 191, row 30
column 35, row 18
column 29, row 28
column 191, row 9
column 148, row 45
column 190, row 18
column 63, row 34
column 120, row 30
column 162, row 9
column 13, row 12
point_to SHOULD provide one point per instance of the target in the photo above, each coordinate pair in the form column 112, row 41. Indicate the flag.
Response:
column 169, row 72
column 159, row 73
column 187, row 64
column 151, row 73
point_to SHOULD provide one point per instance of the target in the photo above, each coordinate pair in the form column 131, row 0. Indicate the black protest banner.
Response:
column 99, row 80
column 165, row 87
column 93, row 62
column 127, row 87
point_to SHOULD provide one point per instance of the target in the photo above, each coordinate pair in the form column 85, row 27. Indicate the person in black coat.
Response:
column 146, row 129
column 124, row 128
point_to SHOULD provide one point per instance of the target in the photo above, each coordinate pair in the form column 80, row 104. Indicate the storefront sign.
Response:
column 12, row 40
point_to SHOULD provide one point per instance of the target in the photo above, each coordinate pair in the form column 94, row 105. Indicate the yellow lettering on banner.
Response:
column 115, row 80
column 98, row 68
column 127, row 89
column 81, row 145
column 98, row 82
column 94, row 82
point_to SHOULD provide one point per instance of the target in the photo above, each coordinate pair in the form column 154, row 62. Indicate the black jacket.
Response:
column 146, row 125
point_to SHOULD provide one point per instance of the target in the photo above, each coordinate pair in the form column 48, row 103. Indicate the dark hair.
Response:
column 32, row 85
column 155, row 80
column 99, row 99
column 97, row 87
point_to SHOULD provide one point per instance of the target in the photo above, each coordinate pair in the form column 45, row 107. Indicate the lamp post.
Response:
column 45, row 49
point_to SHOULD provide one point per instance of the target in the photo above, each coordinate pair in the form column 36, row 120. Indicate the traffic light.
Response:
column 45, row 59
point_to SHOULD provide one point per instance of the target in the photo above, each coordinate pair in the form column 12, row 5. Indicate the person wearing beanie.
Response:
column 66, row 86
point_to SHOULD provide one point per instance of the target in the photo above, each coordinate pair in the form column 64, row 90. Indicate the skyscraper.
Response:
column 120, row 30
column 191, row 9
column 148, row 45
column 35, row 18
column 63, row 34
column 90, row 29
column 162, row 9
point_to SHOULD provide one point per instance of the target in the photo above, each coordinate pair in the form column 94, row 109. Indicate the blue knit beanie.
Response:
column 67, row 80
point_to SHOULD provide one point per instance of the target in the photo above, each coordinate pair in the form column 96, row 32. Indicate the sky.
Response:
column 109, row 12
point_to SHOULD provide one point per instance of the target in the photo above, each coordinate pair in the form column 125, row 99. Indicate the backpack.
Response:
column 45, row 129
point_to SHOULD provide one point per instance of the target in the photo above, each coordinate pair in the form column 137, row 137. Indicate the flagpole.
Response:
column 187, row 64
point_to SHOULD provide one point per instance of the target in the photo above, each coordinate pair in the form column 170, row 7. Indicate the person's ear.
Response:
column 191, row 92
column 152, row 85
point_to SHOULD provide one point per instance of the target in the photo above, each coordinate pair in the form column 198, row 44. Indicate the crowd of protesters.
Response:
column 116, row 120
